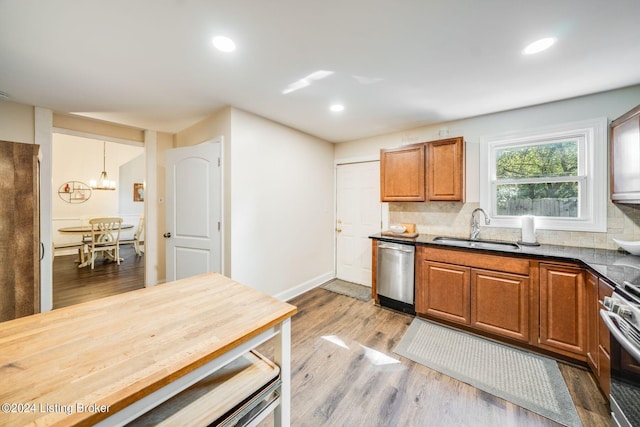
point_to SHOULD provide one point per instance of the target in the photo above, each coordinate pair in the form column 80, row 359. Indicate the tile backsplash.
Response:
column 454, row 219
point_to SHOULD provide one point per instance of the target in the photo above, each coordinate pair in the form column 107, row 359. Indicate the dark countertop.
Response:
column 616, row 267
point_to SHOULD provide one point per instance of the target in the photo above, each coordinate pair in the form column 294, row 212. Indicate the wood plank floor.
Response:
column 341, row 375
column 73, row 285
column 340, row 370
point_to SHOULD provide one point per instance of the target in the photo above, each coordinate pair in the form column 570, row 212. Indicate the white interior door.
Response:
column 359, row 215
column 193, row 221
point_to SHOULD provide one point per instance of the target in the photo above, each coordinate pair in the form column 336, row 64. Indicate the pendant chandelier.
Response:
column 103, row 182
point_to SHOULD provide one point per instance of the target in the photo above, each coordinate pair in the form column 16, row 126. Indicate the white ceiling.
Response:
column 396, row 64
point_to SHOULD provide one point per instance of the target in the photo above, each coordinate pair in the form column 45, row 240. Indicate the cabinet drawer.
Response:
column 477, row 260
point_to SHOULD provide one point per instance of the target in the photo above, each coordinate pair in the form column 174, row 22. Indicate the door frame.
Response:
column 43, row 136
column 385, row 206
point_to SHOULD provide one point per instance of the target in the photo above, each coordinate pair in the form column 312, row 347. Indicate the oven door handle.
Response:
column 608, row 317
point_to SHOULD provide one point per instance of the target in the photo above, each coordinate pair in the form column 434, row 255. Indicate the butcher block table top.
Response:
column 80, row 364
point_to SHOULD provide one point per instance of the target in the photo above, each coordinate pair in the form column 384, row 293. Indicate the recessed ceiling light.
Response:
column 336, row 108
column 223, row 44
column 539, row 46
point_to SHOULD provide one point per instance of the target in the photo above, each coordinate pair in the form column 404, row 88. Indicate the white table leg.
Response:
column 282, row 355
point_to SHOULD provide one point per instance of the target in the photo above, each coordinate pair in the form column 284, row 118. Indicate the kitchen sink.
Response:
column 477, row 244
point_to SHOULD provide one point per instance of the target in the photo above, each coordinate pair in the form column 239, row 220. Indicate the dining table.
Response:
column 85, row 231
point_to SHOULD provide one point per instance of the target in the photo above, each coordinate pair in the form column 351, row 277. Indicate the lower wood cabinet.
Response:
column 592, row 322
column 598, row 341
column 444, row 291
column 491, row 301
column 603, row 373
column 563, row 302
column 500, row 303
column 549, row 305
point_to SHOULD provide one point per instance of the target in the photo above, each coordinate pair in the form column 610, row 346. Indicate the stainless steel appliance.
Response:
column 395, row 276
column 621, row 314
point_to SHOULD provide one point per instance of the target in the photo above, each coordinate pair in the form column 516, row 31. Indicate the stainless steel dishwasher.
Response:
column 395, row 276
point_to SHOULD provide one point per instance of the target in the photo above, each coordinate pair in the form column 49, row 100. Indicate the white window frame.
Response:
column 592, row 174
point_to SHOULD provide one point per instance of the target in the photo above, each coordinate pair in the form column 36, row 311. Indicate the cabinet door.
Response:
column 593, row 314
column 19, row 231
column 604, row 341
column 445, row 170
column 562, row 309
column 625, row 157
column 444, row 291
column 402, row 174
column 500, row 303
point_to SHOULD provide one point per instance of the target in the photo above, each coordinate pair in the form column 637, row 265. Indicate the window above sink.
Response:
column 557, row 174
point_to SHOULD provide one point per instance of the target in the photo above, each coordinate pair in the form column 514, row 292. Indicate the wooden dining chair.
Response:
column 105, row 238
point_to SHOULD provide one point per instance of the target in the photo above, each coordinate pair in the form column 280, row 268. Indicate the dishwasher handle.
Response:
column 391, row 248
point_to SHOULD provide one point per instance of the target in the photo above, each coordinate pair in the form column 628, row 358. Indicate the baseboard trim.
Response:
column 304, row 287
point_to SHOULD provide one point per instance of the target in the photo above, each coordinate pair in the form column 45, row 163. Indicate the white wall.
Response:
column 131, row 173
column 282, row 206
column 453, row 219
column 17, row 122
column 129, row 210
column 607, row 104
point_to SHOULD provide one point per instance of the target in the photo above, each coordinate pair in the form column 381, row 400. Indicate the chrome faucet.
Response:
column 475, row 228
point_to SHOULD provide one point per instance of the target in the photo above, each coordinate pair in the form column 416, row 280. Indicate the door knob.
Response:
column 339, row 230
column 167, row 235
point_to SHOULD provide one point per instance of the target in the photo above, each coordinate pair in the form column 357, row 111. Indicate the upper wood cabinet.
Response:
column 19, row 231
column 402, row 174
column 625, row 158
column 429, row 171
column 445, row 170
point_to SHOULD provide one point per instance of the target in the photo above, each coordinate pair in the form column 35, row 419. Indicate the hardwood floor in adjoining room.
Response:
column 344, row 374
column 73, row 285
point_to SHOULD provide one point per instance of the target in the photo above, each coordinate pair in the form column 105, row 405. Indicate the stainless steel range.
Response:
column 622, row 316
